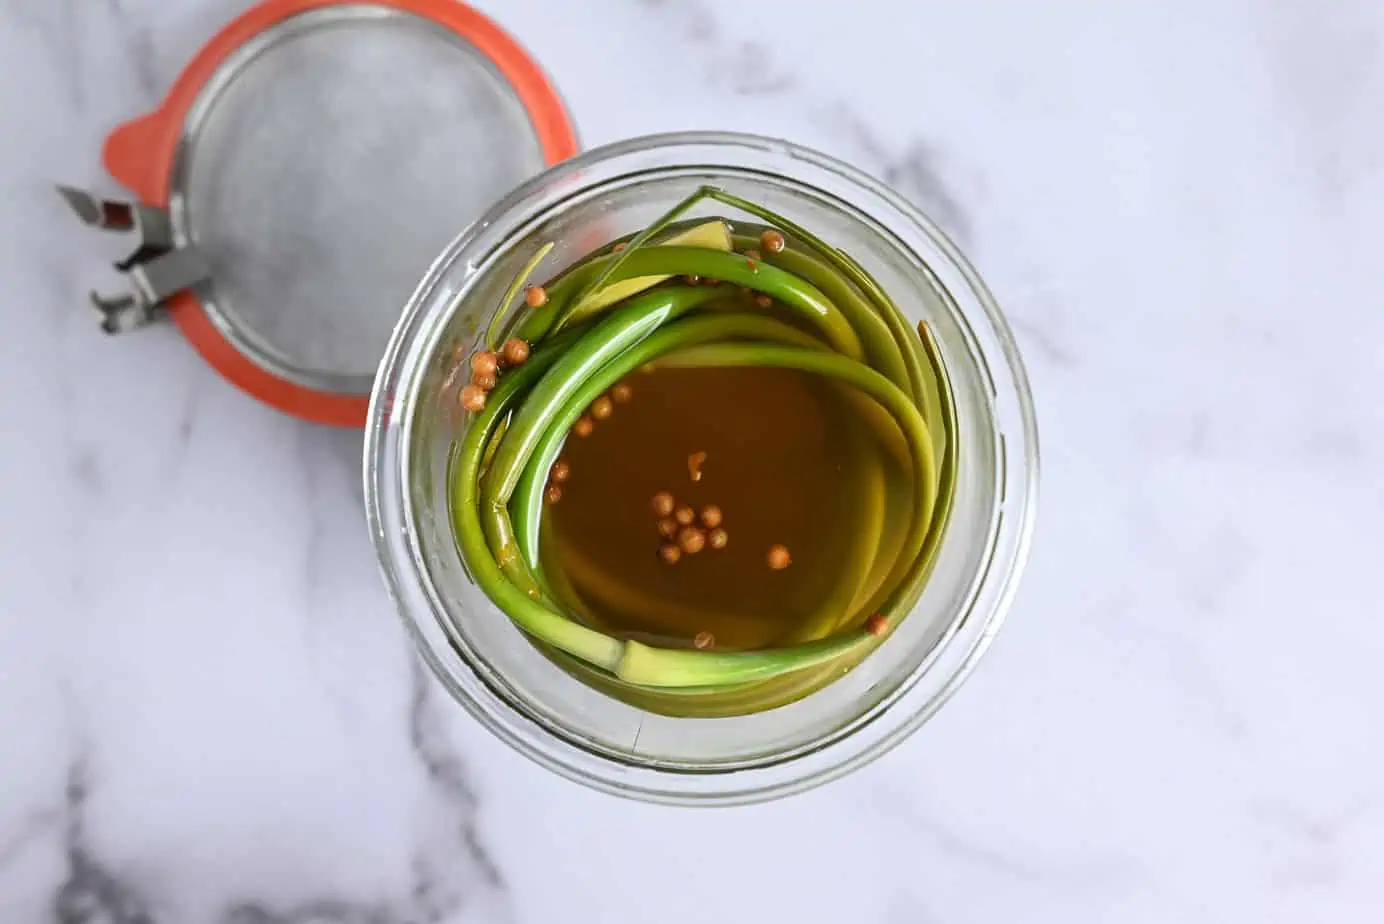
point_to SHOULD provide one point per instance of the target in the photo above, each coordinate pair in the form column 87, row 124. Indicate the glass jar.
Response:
column 517, row 692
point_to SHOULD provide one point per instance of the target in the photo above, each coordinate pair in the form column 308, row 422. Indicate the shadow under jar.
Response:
column 656, row 710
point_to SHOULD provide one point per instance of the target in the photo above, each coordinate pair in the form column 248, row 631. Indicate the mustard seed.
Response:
column 553, row 494
column 877, row 625
column 668, row 528
column 535, row 296
column 583, row 426
column 602, row 408
column 717, row 539
column 692, row 540
column 516, row 351
column 562, row 470
column 779, row 557
column 703, row 640
column 772, row 241
column 473, row 398
column 485, row 362
column 622, row 393
column 670, row 554
column 711, row 516
column 684, row 515
column 664, row 504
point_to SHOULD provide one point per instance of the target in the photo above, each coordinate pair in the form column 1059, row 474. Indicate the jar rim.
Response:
column 871, row 735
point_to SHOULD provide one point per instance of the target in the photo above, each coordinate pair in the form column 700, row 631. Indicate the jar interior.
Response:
column 925, row 286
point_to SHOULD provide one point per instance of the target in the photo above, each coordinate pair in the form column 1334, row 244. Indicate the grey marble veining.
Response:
column 211, row 715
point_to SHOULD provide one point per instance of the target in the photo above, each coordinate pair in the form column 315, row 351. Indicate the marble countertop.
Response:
column 210, row 715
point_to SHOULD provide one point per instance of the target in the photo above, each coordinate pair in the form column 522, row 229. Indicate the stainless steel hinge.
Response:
column 156, row 268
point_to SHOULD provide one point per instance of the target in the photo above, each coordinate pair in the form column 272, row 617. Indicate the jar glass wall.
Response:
column 508, row 684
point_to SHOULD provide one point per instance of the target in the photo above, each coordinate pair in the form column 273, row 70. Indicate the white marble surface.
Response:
column 208, row 712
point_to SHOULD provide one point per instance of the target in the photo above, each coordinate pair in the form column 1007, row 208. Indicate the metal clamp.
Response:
column 157, row 268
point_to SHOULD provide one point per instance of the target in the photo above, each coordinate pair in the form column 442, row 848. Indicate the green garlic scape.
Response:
column 625, row 307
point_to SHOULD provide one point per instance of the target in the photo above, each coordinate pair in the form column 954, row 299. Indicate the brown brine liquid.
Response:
column 789, row 460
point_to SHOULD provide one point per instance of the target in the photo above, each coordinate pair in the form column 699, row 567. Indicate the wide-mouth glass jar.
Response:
column 517, row 692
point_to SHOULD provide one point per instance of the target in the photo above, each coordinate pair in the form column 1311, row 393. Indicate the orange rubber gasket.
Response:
column 140, row 155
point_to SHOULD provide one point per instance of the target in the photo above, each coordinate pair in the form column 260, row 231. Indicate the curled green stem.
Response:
column 861, row 342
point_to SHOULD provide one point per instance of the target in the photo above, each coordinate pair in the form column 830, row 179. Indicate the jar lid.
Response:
column 302, row 174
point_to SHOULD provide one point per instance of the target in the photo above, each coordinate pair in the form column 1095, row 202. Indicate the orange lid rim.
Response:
column 140, row 155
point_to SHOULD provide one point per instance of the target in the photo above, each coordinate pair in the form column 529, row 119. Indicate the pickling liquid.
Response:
column 789, row 460
column 734, row 526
